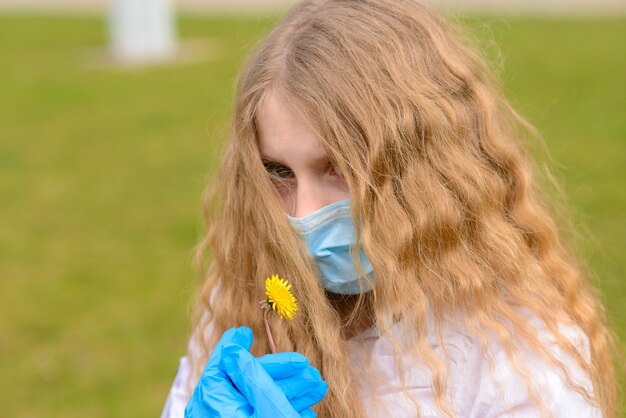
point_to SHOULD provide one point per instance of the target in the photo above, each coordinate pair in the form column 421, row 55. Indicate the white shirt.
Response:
column 474, row 390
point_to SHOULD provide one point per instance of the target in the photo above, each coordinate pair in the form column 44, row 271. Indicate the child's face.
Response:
column 295, row 158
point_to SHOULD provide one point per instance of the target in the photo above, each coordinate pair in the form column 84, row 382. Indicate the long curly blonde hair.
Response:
column 443, row 190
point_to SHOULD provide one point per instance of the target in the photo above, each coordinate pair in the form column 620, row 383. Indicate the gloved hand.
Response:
column 238, row 385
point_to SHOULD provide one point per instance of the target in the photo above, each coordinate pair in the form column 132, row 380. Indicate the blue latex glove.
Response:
column 238, row 385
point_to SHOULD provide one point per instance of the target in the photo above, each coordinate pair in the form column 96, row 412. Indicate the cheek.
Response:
column 284, row 187
column 332, row 190
column 287, row 196
column 340, row 187
column 288, row 201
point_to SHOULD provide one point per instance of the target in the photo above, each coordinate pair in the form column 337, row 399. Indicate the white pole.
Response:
column 141, row 30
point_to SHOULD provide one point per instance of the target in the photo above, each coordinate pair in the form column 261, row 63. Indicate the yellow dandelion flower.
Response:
column 279, row 296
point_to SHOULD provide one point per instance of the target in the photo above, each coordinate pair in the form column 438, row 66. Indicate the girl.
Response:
column 374, row 163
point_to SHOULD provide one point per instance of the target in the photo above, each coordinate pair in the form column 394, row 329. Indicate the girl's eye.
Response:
column 278, row 170
column 282, row 173
column 334, row 171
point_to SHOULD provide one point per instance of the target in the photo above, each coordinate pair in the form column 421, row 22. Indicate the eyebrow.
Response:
column 266, row 159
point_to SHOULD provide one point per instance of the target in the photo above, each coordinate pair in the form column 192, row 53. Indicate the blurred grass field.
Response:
column 101, row 172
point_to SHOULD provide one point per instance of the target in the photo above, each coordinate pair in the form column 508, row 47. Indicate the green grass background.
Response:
column 101, row 172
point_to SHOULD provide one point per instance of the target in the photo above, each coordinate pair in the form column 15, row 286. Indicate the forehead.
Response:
column 283, row 131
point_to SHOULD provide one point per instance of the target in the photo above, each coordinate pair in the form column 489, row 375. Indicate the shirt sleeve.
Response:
column 502, row 392
column 177, row 397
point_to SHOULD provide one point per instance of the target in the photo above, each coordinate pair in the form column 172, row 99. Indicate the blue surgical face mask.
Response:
column 330, row 234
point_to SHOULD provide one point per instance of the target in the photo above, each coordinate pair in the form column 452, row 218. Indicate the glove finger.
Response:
column 215, row 394
column 216, row 397
column 308, row 413
column 303, row 389
column 309, row 398
column 282, row 365
column 255, row 384
column 302, row 382
column 241, row 336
